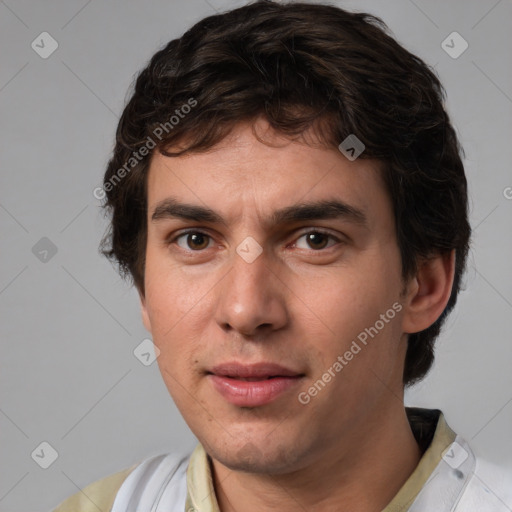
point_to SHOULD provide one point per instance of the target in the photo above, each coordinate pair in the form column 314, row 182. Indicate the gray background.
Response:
column 69, row 324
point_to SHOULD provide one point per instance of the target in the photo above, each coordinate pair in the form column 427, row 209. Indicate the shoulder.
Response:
column 161, row 480
column 157, row 477
column 98, row 496
column 496, row 478
column 489, row 488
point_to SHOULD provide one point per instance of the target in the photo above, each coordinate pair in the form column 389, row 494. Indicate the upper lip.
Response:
column 262, row 370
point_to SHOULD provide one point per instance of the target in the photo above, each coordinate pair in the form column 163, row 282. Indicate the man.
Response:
column 288, row 196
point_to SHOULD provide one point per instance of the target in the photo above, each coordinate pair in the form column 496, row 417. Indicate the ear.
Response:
column 144, row 312
column 428, row 292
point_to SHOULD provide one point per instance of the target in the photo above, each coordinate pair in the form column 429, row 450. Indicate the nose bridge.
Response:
column 250, row 271
column 250, row 296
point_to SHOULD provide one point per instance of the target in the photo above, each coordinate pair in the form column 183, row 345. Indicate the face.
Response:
column 272, row 289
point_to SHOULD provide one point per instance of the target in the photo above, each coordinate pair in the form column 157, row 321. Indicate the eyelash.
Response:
column 195, row 231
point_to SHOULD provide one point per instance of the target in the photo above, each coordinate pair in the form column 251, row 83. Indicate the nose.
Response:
column 251, row 299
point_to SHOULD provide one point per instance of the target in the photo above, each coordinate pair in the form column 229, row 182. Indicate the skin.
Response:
column 300, row 303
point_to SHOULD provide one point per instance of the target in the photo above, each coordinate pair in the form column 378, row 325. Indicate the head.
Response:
column 242, row 116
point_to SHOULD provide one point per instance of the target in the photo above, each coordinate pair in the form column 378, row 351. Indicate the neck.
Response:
column 339, row 479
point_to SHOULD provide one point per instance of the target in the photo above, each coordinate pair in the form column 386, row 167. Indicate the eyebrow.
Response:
column 316, row 210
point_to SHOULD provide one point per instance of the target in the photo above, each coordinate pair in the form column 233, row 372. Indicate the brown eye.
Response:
column 316, row 240
column 194, row 240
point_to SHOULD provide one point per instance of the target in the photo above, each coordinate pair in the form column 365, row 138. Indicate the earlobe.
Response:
column 428, row 292
column 144, row 313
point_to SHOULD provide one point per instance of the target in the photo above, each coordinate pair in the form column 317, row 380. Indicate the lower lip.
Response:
column 245, row 393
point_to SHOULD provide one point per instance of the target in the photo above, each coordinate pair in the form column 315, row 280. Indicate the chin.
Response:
column 251, row 458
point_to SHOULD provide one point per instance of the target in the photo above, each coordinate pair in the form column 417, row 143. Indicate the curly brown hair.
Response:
column 300, row 66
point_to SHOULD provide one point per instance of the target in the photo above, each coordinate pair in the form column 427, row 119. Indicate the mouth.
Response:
column 251, row 379
column 252, row 385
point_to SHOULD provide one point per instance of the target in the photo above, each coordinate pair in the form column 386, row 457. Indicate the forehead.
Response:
column 242, row 174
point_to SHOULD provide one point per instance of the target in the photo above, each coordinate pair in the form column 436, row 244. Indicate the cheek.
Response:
column 344, row 304
column 178, row 309
column 173, row 297
column 350, row 309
